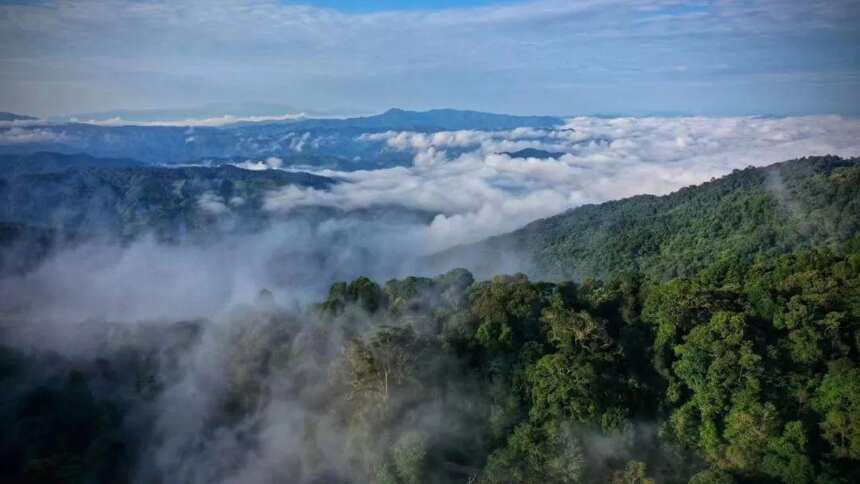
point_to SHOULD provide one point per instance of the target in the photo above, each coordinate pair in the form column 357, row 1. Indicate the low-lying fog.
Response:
column 463, row 184
column 243, row 388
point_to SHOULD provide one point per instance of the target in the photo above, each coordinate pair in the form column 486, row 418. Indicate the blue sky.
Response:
column 541, row 56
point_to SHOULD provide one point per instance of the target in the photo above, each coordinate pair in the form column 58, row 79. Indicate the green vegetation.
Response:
column 755, row 213
column 741, row 373
column 79, row 195
column 704, row 357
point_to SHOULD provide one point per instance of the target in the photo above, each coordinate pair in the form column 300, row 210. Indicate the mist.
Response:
column 238, row 357
column 463, row 187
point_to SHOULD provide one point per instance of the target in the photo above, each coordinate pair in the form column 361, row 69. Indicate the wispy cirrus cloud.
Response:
column 224, row 120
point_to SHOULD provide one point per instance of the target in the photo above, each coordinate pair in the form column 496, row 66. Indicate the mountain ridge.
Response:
column 533, row 153
column 445, row 118
column 81, row 193
column 749, row 213
column 7, row 116
column 336, row 142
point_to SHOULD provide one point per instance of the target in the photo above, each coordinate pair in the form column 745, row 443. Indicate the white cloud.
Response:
column 480, row 192
column 484, row 141
column 271, row 163
column 19, row 135
column 297, row 143
column 212, row 203
column 469, row 196
column 22, row 123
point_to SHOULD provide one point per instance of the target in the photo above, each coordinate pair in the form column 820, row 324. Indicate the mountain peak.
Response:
column 533, row 153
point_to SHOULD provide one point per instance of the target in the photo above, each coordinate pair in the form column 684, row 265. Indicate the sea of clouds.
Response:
column 476, row 189
column 462, row 187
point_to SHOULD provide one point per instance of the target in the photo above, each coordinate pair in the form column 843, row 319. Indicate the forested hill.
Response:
column 80, row 193
column 743, row 377
column 750, row 213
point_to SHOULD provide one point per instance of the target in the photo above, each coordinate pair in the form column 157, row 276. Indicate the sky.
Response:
column 561, row 57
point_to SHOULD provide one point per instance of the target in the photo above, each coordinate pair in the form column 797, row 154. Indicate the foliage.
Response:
column 744, row 369
column 749, row 214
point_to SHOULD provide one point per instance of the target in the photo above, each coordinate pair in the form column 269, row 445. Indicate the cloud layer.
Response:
column 461, row 188
column 478, row 191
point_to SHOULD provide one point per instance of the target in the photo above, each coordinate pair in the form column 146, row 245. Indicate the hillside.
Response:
column 745, row 378
column 79, row 193
column 755, row 212
column 47, row 162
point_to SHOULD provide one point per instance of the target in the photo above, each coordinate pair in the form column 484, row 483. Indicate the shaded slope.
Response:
column 533, row 153
column 121, row 197
column 49, row 162
column 4, row 116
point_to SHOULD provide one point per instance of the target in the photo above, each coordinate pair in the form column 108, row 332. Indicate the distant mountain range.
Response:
column 436, row 119
column 748, row 214
column 15, row 117
column 46, row 162
column 330, row 143
column 211, row 110
column 83, row 194
column 756, row 212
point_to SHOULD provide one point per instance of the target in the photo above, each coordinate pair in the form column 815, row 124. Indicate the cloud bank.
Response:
column 461, row 188
column 477, row 191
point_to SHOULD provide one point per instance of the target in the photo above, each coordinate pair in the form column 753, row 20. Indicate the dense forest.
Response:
column 80, row 194
column 744, row 372
column 720, row 344
column 429, row 242
column 755, row 212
